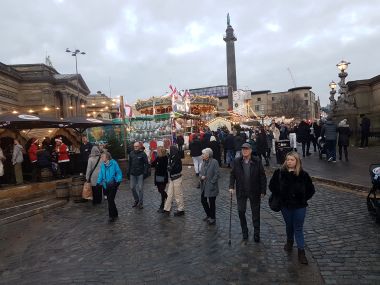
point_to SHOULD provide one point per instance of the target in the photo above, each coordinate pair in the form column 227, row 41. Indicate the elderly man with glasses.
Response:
column 137, row 169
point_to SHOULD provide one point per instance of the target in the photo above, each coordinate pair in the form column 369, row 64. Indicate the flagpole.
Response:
column 122, row 111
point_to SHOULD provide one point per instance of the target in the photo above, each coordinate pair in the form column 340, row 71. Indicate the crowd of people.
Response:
column 245, row 151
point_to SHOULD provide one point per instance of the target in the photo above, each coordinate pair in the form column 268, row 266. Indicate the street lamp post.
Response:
column 75, row 54
column 342, row 66
column 332, row 86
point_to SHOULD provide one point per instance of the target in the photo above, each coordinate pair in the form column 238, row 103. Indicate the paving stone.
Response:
column 75, row 244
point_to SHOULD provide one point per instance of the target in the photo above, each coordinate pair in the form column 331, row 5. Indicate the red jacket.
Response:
column 32, row 152
column 63, row 153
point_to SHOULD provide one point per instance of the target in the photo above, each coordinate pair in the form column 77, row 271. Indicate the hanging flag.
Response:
column 128, row 110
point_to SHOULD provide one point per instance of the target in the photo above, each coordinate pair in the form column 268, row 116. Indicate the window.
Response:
column 273, row 98
column 259, row 99
column 257, row 107
column 307, row 102
column 262, row 108
column 306, row 95
column 220, row 104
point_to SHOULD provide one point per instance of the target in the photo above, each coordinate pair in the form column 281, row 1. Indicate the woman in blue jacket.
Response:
column 110, row 177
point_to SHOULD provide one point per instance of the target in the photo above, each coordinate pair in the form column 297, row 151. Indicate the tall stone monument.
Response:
column 230, row 39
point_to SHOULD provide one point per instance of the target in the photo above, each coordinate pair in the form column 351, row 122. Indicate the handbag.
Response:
column 274, row 201
column 87, row 187
column 160, row 178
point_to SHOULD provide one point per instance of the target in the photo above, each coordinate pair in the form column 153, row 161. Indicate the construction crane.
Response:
column 291, row 75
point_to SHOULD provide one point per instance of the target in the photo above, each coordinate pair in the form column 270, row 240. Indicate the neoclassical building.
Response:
column 266, row 103
column 40, row 89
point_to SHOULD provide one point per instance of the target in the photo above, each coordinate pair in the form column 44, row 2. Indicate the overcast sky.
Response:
column 145, row 45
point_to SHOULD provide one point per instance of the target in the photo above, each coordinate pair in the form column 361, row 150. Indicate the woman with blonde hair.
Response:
column 161, row 174
column 294, row 187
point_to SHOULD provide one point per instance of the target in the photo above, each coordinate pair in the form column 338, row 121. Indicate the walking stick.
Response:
column 229, row 231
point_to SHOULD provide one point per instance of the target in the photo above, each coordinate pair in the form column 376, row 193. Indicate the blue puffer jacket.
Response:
column 109, row 173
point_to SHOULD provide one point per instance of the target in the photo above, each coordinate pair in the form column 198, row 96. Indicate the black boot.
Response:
column 163, row 199
column 302, row 257
column 289, row 245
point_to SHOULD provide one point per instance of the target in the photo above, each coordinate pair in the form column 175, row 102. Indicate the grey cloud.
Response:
column 309, row 37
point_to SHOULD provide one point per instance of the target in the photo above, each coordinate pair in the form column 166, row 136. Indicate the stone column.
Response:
column 230, row 39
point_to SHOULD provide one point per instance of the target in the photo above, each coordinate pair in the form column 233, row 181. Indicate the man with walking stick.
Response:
column 248, row 176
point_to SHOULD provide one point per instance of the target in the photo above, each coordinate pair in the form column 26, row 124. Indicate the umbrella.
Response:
column 24, row 121
column 80, row 123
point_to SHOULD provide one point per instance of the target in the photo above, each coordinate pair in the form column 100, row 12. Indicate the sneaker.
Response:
column 160, row 210
column 211, row 222
column 205, row 219
column 334, row 161
column 179, row 213
column 135, row 204
column 141, row 206
column 330, row 159
column 166, row 213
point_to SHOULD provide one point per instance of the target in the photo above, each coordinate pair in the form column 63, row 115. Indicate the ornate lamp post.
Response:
column 342, row 66
column 332, row 85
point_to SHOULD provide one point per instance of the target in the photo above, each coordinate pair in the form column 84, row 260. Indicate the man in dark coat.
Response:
column 303, row 136
column 137, row 170
column 196, row 154
column 249, row 180
column 329, row 132
column 229, row 149
column 85, row 150
column 365, row 127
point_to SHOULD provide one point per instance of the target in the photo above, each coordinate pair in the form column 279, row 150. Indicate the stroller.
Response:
column 373, row 201
column 322, row 147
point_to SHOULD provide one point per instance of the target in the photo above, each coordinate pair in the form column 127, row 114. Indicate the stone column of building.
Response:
column 77, row 107
column 230, row 39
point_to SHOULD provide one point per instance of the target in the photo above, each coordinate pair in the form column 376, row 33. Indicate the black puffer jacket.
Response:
column 344, row 135
column 294, row 190
column 229, row 142
column 161, row 168
column 195, row 148
column 137, row 164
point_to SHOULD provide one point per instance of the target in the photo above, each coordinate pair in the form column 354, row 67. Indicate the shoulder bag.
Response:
column 275, row 199
column 87, row 187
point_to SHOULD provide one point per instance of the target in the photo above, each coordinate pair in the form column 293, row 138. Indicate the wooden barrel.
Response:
column 62, row 190
column 46, row 175
column 77, row 188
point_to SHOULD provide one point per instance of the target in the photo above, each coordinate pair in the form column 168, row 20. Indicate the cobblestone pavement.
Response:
column 76, row 245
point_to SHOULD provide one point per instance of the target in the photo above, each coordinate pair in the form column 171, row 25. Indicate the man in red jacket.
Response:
column 32, row 153
column 63, row 156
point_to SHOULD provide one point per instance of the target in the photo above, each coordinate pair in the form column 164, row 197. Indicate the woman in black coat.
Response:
column 303, row 136
column 344, row 132
column 161, row 175
column 215, row 147
column 294, row 187
column 262, row 146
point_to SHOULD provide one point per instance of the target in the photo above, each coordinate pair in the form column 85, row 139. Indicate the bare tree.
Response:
column 291, row 105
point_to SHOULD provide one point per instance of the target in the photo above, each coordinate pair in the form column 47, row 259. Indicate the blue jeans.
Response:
column 294, row 219
column 137, row 188
column 331, row 149
column 230, row 156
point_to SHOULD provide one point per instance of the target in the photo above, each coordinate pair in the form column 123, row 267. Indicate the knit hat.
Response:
column 212, row 139
column 59, row 139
